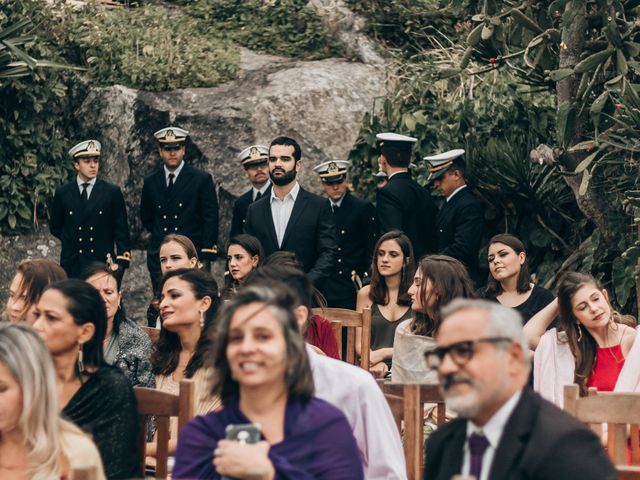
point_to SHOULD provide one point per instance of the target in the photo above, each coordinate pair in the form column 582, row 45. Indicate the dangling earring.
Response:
column 201, row 319
column 579, row 332
column 80, row 361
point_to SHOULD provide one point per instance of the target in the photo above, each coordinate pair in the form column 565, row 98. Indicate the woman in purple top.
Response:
column 265, row 378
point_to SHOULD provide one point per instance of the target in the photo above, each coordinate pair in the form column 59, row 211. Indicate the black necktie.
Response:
column 335, row 207
column 258, row 196
column 85, row 195
column 170, row 186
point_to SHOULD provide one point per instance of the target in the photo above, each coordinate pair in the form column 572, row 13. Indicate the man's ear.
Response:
column 298, row 165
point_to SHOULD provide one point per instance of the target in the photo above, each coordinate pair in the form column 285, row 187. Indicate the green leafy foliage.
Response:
column 148, row 48
column 280, row 27
column 33, row 147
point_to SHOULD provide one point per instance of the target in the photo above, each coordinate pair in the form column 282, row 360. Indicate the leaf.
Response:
column 410, row 122
column 464, row 62
column 565, row 123
column 599, row 103
column 526, row 21
column 632, row 48
column 448, row 73
column 621, row 62
column 592, row 61
column 586, row 162
column 487, row 32
column 561, row 73
column 474, row 36
column 12, row 221
column 584, row 184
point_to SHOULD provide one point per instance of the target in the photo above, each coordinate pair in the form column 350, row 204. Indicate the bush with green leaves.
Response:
column 281, row 27
column 33, row 157
column 149, row 48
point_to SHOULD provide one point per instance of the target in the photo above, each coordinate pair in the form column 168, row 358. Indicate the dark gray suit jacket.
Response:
column 539, row 442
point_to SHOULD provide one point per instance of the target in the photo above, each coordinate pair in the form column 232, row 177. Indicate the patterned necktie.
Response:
column 170, row 186
column 478, row 444
column 85, row 195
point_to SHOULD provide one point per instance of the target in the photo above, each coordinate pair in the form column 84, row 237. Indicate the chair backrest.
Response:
column 628, row 472
column 619, row 411
column 154, row 333
column 163, row 406
column 407, row 406
column 351, row 320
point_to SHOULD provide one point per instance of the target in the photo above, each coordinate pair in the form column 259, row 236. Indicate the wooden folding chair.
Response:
column 619, row 411
column 154, row 333
column 628, row 472
column 88, row 473
column 351, row 320
column 163, row 406
column 407, row 406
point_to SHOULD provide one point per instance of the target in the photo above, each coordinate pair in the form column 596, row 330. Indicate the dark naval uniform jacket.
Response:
column 310, row 233
column 88, row 232
column 460, row 223
column 190, row 209
column 240, row 207
column 356, row 227
column 405, row 205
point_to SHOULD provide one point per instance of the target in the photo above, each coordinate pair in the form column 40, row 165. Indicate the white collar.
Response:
column 493, row 429
column 293, row 193
column 91, row 182
column 395, row 173
column 455, row 191
column 264, row 188
column 176, row 172
column 339, row 202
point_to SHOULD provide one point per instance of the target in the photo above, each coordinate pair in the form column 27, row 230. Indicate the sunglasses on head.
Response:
column 460, row 352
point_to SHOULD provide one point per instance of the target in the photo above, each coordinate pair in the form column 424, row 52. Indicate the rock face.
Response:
column 319, row 103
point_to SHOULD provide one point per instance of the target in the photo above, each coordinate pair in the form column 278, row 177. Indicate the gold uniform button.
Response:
column 165, row 229
column 70, row 212
column 179, row 204
column 91, row 239
column 340, row 272
column 91, row 228
column 342, row 232
column 80, row 239
column 175, row 229
column 100, row 212
column 92, row 250
column 339, row 260
column 176, row 217
column 80, row 228
column 339, row 249
column 80, row 250
column 164, row 216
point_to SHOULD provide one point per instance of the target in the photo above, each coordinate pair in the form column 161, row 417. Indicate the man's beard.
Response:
column 285, row 179
column 472, row 403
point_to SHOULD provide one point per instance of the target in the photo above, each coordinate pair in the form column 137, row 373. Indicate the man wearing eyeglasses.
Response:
column 504, row 430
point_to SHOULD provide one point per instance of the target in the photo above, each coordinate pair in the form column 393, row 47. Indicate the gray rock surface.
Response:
column 319, row 103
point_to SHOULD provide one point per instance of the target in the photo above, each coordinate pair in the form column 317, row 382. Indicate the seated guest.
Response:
column 34, row 441
column 509, row 281
column 176, row 251
column 315, row 329
column 263, row 376
column 595, row 348
column 125, row 345
column 98, row 398
column 504, row 430
column 392, row 271
column 30, row 279
column 188, row 306
column 438, row 280
column 244, row 255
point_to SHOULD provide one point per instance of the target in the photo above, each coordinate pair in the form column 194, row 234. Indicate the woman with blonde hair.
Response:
column 35, row 442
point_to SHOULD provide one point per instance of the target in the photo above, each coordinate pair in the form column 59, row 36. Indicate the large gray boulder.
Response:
column 319, row 103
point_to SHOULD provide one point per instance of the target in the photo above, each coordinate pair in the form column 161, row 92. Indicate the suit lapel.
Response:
column 448, row 206
column 181, row 182
column 514, row 437
column 268, row 219
column 94, row 199
column 452, row 453
column 298, row 208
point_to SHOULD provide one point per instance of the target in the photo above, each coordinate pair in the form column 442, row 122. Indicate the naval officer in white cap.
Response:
column 254, row 160
column 89, row 217
column 402, row 203
column 460, row 221
column 178, row 198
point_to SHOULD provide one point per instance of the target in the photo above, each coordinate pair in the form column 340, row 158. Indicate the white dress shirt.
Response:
column 91, row 183
column 281, row 211
column 455, row 191
column 492, row 430
column 254, row 190
column 338, row 203
column 355, row 392
column 176, row 172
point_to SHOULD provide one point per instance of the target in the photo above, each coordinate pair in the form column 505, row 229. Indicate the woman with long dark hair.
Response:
column 264, row 378
column 125, row 345
column 188, row 305
column 98, row 398
column 387, row 295
column 244, row 255
column 509, row 280
column 438, row 280
column 594, row 346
